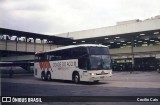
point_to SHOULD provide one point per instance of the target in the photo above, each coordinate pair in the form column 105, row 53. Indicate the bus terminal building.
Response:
column 133, row 44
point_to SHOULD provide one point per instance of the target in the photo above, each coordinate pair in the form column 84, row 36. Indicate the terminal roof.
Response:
column 55, row 39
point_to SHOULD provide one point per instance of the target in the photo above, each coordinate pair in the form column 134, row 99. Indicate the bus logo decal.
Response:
column 45, row 65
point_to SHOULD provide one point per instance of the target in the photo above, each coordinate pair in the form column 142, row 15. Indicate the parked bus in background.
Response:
column 87, row 62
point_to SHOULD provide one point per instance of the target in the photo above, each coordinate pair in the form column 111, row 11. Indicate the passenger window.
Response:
column 36, row 58
column 40, row 57
column 66, row 54
column 54, row 56
column 79, row 52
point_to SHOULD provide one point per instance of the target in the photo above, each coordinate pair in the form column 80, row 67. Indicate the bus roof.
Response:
column 74, row 46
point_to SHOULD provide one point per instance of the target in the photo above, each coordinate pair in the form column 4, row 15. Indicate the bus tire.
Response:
column 43, row 77
column 48, row 76
column 76, row 78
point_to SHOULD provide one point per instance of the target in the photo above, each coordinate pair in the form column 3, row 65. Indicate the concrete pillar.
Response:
column 17, row 43
column 26, row 44
column 42, row 42
column 132, row 53
column 50, row 45
column 6, row 44
column 34, row 44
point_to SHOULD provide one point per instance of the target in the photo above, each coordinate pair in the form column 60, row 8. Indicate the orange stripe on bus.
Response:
column 48, row 65
column 44, row 65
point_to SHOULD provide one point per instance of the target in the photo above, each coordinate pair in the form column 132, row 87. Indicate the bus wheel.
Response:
column 48, row 76
column 76, row 78
column 43, row 77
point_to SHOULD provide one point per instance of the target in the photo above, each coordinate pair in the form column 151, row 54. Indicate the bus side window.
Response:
column 53, row 56
column 41, row 57
column 57, row 55
column 36, row 58
column 78, row 52
column 66, row 54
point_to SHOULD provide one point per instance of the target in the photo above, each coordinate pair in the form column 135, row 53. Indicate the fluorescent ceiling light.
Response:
column 122, row 41
column 105, row 38
column 156, row 33
column 144, row 45
column 152, row 40
column 139, row 41
column 146, row 39
column 82, row 41
column 111, row 42
column 117, row 37
column 142, row 34
column 128, row 42
column 74, row 42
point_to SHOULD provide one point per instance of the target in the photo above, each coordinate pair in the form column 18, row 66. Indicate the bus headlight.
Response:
column 92, row 74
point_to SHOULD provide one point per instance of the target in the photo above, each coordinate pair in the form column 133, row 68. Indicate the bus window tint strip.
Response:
column 98, row 50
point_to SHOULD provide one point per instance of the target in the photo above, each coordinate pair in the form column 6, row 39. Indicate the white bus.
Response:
column 87, row 62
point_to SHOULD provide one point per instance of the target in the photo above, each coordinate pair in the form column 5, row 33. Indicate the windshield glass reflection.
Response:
column 99, row 62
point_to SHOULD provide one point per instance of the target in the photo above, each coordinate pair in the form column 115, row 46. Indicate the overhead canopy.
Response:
column 54, row 39
column 119, row 40
column 113, row 41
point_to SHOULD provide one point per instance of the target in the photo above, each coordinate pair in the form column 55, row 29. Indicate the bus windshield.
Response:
column 99, row 62
column 99, row 58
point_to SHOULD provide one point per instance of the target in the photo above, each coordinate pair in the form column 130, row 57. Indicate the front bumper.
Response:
column 99, row 77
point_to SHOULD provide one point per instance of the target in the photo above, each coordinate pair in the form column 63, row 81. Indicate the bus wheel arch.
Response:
column 48, row 75
column 76, row 77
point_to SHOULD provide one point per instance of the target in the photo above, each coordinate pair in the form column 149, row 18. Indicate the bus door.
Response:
column 83, row 64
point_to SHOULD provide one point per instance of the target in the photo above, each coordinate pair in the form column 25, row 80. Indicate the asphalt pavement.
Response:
column 121, row 84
